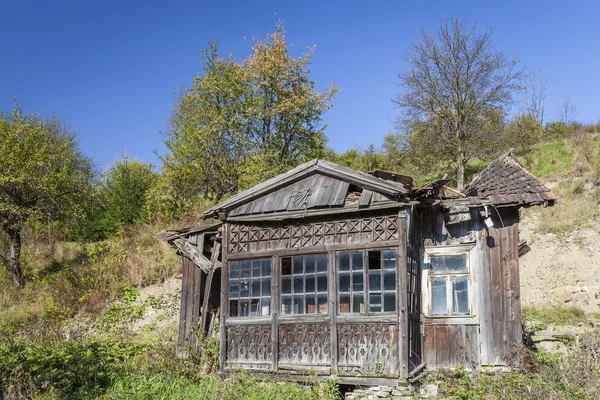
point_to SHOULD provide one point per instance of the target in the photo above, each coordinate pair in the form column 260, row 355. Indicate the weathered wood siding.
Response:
column 501, row 307
column 448, row 346
column 192, row 293
column 492, row 331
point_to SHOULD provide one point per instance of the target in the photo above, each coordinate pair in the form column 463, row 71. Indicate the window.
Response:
column 371, row 286
column 304, row 284
column 449, row 283
column 250, row 288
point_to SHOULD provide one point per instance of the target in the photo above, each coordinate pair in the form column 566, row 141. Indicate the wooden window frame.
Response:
column 462, row 250
column 261, row 279
column 304, row 294
column 366, row 286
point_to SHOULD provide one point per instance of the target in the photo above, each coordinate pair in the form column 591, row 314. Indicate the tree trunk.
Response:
column 13, row 262
column 460, row 176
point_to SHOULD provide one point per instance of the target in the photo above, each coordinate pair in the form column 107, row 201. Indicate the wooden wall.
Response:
column 500, row 291
column 348, row 345
column 493, row 331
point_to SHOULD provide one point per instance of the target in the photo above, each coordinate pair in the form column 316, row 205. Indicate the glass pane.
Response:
column 266, row 267
column 448, row 263
column 438, row 296
column 357, row 261
column 266, row 287
column 344, row 282
column 255, row 292
column 298, row 269
column 265, row 305
column 254, row 308
column 245, row 269
column 311, row 307
column 286, row 284
column 322, row 263
column 389, row 302
column 460, row 295
column 358, row 303
column 234, row 289
column 389, row 280
column 309, row 262
column 298, row 305
column 322, row 304
column 374, row 259
column 375, row 281
column 244, row 288
column 309, row 283
column 286, row 305
column 389, row 259
column 233, row 308
column 357, row 281
column 243, row 308
column 375, row 302
column 286, row 266
column 344, row 303
column 256, row 268
column 322, row 283
column 344, row 262
column 234, row 270
column 298, row 284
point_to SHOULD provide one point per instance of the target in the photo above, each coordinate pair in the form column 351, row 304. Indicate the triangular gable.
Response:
column 317, row 183
column 506, row 182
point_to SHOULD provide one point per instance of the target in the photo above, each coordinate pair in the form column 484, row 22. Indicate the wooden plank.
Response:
column 339, row 197
column 183, row 305
column 365, row 198
column 429, row 347
column 209, row 278
column 198, row 241
column 189, row 298
column 191, row 252
column 402, row 299
column 442, row 346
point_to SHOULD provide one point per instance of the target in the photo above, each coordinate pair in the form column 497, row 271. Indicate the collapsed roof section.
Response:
column 505, row 182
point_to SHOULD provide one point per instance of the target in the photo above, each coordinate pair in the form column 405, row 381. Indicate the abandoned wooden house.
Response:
column 359, row 275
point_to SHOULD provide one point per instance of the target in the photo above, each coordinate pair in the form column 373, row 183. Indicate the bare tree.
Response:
column 534, row 95
column 567, row 110
column 456, row 80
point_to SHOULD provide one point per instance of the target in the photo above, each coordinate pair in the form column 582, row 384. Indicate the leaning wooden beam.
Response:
column 213, row 260
column 188, row 250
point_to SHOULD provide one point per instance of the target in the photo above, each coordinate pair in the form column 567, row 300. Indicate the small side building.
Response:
column 364, row 277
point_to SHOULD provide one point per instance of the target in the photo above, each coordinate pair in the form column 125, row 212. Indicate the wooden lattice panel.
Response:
column 253, row 237
column 302, row 344
column 249, row 346
column 368, row 349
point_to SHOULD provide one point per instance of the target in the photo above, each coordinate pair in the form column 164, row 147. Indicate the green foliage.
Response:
column 243, row 122
column 549, row 160
column 557, row 315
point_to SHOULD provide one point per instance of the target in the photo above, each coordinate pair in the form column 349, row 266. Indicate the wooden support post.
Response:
column 224, row 297
column 213, row 260
column 403, row 347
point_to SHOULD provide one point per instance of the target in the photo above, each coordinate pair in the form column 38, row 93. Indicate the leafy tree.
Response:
column 126, row 185
column 42, row 175
column 244, row 121
column 522, row 132
column 453, row 84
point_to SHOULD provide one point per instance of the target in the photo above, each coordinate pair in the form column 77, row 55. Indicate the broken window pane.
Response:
column 438, row 296
column 374, row 259
column 460, row 295
column 286, row 266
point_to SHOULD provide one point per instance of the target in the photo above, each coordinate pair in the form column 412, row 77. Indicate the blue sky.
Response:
column 110, row 69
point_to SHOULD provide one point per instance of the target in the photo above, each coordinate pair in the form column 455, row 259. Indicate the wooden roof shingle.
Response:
column 505, row 182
